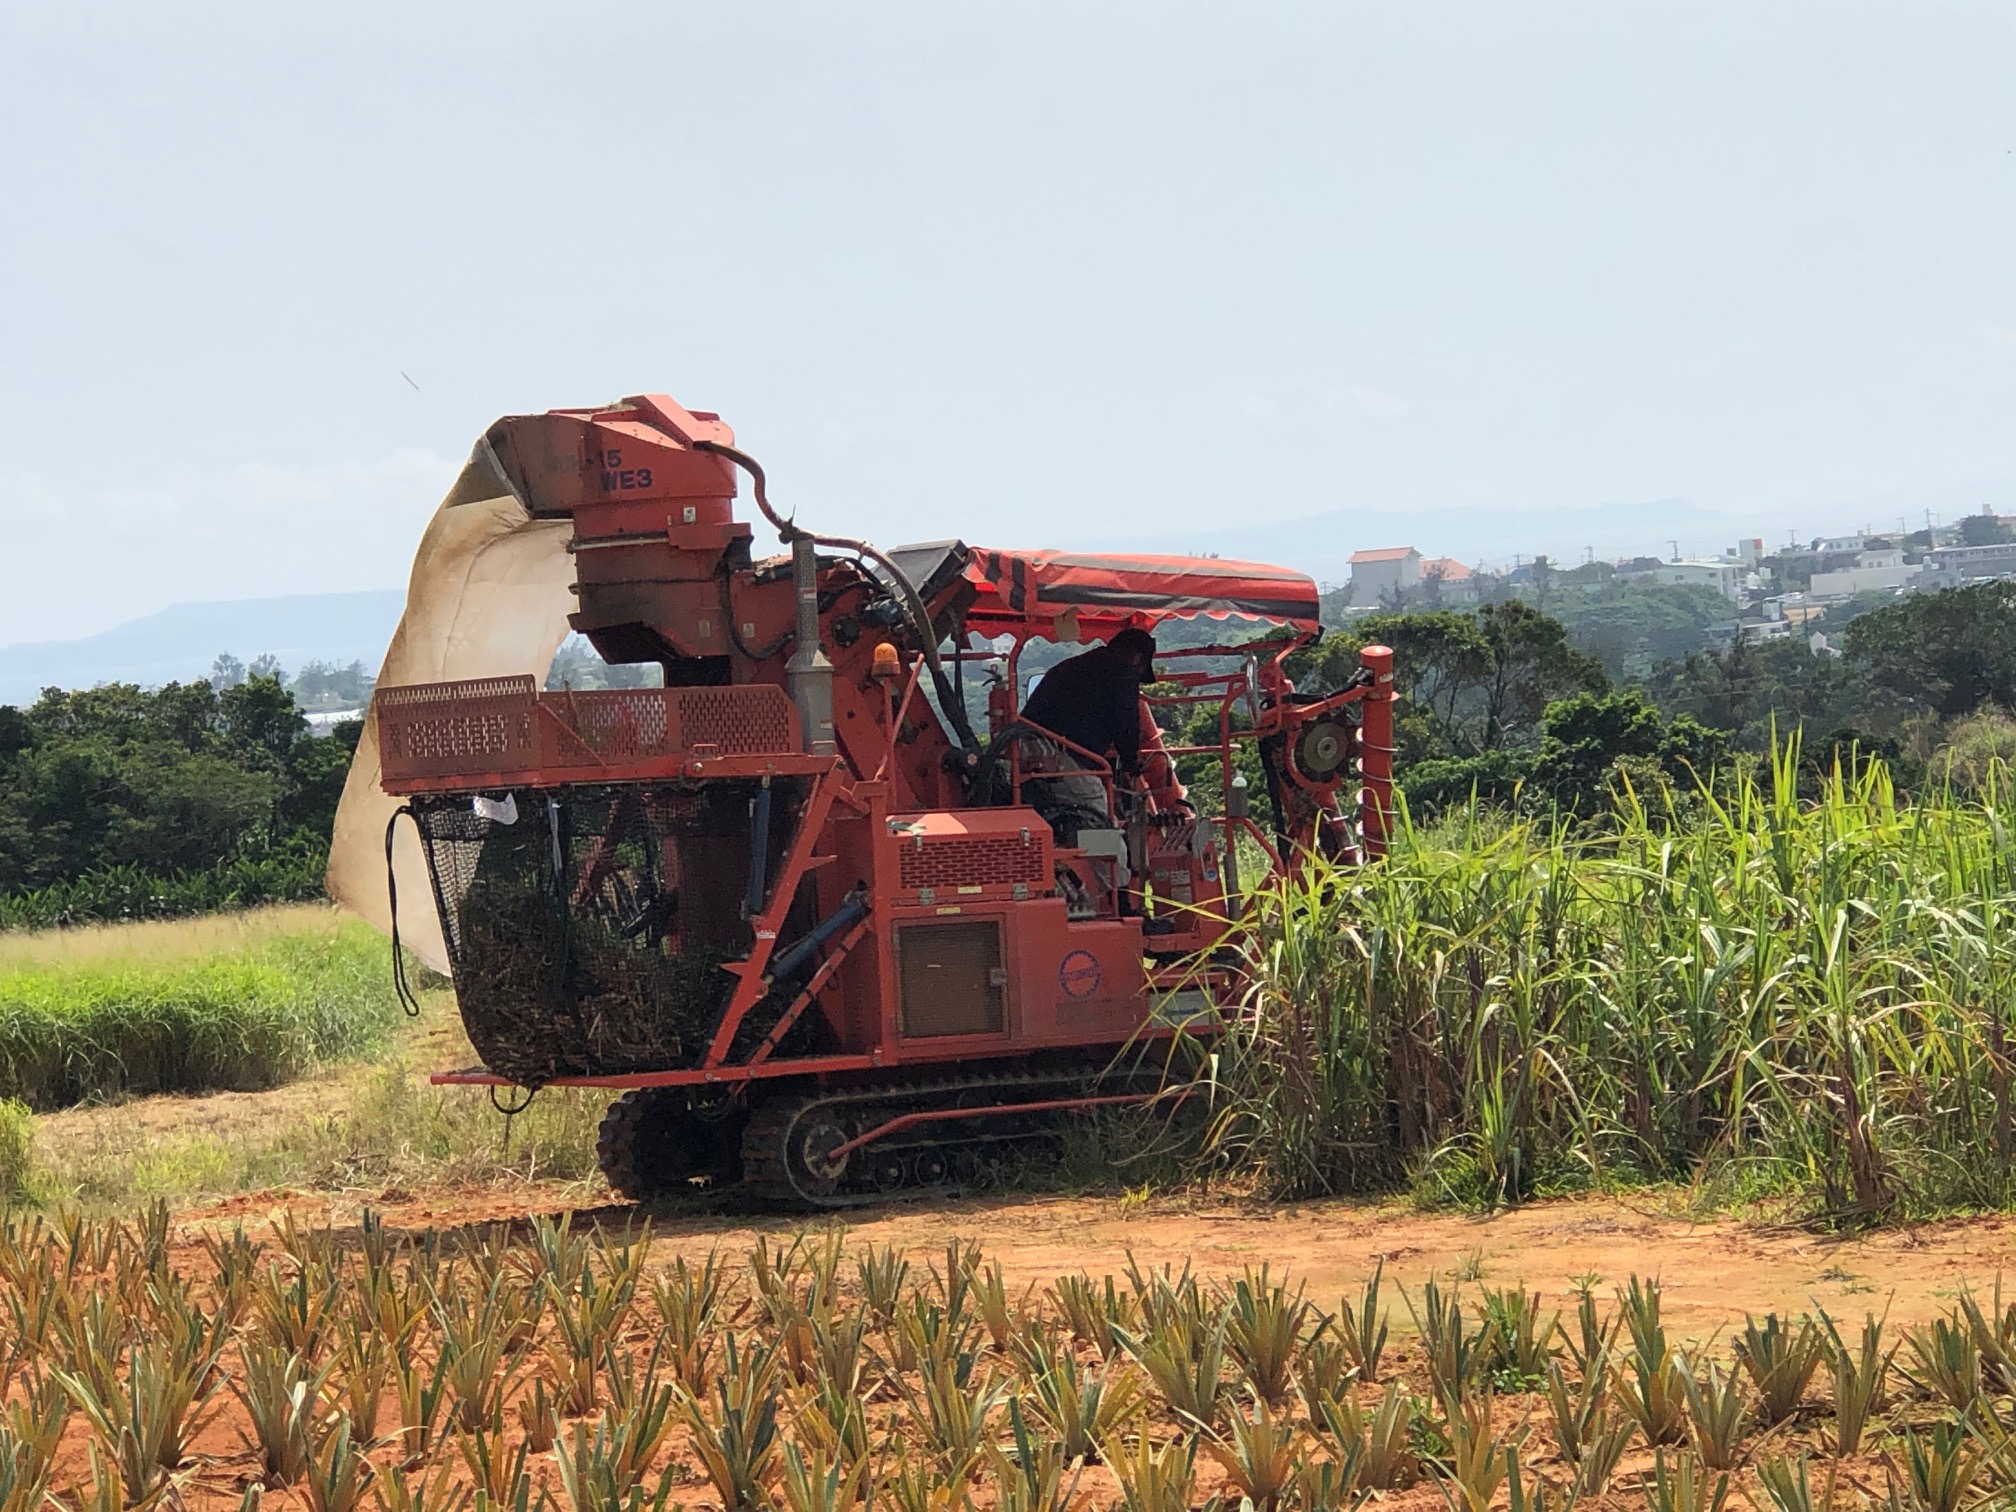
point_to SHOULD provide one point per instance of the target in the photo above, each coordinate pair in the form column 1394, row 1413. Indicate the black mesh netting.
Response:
column 586, row 934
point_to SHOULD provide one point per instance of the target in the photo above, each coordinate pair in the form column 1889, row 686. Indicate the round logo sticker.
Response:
column 1079, row 974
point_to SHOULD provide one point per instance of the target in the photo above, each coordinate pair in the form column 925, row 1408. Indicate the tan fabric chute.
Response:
column 488, row 597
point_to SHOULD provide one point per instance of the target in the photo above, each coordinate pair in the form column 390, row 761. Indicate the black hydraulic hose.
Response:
column 754, row 653
column 784, row 528
column 400, row 986
column 913, row 602
column 959, row 663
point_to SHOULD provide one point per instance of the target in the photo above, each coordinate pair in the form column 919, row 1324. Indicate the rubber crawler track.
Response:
column 772, row 1175
column 615, row 1149
column 653, row 1142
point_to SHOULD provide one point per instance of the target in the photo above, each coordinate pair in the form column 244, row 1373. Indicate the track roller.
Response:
column 787, row 1152
column 794, row 1148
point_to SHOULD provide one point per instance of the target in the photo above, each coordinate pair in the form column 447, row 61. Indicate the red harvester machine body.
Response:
column 791, row 901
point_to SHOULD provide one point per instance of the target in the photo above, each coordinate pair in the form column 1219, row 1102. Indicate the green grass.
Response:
column 1757, row 993
column 235, row 1004
column 17, row 1153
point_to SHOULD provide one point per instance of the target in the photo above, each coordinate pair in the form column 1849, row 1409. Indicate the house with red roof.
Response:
column 1448, row 580
column 1400, row 574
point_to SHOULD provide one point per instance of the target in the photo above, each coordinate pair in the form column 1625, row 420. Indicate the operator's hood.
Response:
column 487, row 598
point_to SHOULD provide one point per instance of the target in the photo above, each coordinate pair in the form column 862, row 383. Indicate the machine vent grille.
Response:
column 990, row 861
column 952, row 980
column 750, row 721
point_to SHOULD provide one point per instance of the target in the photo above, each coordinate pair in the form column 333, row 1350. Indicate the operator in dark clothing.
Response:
column 1094, row 701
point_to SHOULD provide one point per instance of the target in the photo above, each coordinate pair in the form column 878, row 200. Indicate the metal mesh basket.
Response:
column 586, row 926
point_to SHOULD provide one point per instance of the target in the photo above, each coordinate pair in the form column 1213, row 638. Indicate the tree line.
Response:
column 1502, row 701
column 120, row 801
column 319, row 686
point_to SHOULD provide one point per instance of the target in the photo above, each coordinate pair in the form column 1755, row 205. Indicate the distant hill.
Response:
column 180, row 642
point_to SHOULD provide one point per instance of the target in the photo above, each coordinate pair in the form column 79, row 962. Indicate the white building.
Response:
column 1873, row 572
column 1756, row 632
column 1955, row 566
column 1378, row 575
column 1723, row 574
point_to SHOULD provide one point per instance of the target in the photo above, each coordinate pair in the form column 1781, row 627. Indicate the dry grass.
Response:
column 359, row 1127
column 351, row 1109
column 162, row 941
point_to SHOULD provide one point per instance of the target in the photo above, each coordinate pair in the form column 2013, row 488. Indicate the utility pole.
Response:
column 1676, row 549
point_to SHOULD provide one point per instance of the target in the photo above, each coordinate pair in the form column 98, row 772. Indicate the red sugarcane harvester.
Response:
column 792, row 903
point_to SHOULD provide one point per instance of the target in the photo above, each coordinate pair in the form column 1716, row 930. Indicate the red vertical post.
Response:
column 1375, row 757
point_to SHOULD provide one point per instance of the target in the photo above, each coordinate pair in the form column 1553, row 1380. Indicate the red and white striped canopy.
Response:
column 1017, row 588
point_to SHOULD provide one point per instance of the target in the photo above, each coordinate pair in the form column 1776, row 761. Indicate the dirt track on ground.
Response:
column 1713, row 1272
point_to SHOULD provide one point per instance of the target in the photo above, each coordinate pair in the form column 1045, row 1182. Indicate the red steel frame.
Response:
column 831, row 789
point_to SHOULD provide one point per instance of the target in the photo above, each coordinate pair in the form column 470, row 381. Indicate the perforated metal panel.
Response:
column 981, row 861
column 440, row 729
column 620, row 724
column 419, row 695
column 504, row 726
column 751, row 721
column 952, row 980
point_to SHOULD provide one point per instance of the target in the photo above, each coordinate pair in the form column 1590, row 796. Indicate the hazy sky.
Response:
column 1027, row 274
